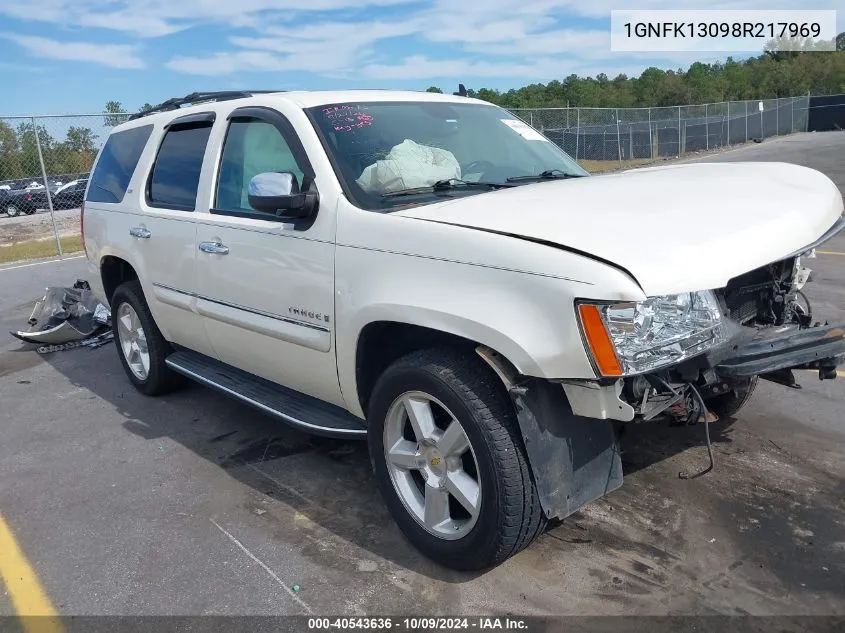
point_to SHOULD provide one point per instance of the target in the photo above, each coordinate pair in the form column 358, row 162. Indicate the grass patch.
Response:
column 599, row 166
column 39, row 249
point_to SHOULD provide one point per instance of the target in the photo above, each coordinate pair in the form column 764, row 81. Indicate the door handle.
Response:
column 214, row 247
column 139, row 231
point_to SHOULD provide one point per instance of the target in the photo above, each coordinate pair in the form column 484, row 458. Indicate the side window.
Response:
column 175, row 176
column 252, row 146
column 117, row 163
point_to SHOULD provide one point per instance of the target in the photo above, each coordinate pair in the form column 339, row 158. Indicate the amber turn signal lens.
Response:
column 599, row 340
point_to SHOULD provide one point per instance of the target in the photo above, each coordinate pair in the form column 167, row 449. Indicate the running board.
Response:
column 297, row 409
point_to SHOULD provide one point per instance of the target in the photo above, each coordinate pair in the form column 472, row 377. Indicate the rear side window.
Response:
column 175, row 177
column 117, row 163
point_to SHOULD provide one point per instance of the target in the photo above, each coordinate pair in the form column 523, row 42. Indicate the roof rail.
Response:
column 198, row 97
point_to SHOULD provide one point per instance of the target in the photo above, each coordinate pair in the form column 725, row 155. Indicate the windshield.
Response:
column 381, row 148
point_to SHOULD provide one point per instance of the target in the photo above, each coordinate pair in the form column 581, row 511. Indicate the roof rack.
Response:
column 198, row 97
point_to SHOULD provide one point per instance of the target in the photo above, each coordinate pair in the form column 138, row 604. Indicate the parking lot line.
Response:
column 49, row 261
column 263, row 566
column 22, row 585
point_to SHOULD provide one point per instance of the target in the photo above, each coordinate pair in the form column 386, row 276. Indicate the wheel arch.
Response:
column 115, row 270
column 380, row 343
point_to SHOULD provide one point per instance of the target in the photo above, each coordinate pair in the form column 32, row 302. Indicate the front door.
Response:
column 266, row 287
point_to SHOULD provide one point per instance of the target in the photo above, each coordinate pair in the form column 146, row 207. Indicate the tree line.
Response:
column 72, row 155
column 770, row 75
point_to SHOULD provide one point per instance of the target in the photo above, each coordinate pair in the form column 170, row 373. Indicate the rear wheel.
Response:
column 449, row 460
column 12, row 211
column 140, row 345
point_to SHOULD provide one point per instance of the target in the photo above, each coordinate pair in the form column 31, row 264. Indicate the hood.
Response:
column 673, row 228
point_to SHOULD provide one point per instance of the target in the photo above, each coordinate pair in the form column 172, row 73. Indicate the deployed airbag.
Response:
column 409, row 165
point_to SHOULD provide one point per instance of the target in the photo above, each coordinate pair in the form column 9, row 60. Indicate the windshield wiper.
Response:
column 447, row 184
column 549, row 174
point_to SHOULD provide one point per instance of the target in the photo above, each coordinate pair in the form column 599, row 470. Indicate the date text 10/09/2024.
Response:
column 722, row 29
column 418, row 624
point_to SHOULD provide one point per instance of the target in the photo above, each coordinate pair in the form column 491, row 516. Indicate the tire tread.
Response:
column 522, row 519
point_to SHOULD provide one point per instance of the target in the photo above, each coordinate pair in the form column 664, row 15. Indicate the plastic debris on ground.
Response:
column 65, row 318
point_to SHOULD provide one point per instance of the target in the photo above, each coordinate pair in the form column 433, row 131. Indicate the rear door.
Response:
column 146, row 217
column 168, row 226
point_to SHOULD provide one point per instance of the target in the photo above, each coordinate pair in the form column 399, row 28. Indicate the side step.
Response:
column 297, row 409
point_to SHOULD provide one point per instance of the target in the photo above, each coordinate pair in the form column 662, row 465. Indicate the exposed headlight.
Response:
column 636, row 338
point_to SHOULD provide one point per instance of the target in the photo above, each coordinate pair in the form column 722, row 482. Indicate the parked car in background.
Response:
column 13, row 202
column 70, row 196
column 64, row 195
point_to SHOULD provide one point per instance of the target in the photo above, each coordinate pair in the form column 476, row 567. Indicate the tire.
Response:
column 12, row 211
column 457, row 384
column 728, row 404
column 153, row 377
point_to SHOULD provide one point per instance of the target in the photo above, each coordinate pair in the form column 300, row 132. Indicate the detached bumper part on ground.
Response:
column 67, row 317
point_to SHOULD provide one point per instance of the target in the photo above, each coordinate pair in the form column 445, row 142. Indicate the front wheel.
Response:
column 449, row 460
column 12, row 211
column 728, row 404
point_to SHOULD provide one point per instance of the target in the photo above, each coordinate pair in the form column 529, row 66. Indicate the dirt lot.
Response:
column 194, row 504
column 37, row 226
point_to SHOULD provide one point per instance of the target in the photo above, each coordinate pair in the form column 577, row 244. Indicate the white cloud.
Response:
column 531, row 39
column 111, row 55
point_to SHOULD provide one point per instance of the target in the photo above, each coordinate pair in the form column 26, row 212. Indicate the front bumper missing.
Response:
column 777, row 349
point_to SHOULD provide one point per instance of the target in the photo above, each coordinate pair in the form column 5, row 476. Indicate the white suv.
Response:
column 429, row 273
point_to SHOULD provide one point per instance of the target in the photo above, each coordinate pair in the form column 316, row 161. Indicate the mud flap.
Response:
column 574, row 460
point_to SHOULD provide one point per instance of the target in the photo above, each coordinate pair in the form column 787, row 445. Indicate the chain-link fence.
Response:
column 45, row 160
column 625, row 135
column 44, row 167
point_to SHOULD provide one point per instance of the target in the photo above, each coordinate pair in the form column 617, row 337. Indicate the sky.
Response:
column 72, row 56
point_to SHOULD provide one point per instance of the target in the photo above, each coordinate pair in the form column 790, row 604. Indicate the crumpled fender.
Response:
column 574, row 460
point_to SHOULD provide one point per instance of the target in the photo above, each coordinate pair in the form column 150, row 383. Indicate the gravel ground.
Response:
column 38, row 226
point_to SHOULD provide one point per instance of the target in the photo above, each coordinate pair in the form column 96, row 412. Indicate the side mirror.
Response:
column 278, row 193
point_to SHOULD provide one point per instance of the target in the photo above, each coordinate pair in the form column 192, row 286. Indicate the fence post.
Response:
column 792, row 118
column 650, row 136
column 618, row 137
column 531, row 118
column 577, row 130
column 679, row 131
column 729, row 123
column 746, row 121
column 47, row 187
column 777, row 117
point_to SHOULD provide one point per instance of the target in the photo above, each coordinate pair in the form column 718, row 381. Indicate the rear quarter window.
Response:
column 117, row 163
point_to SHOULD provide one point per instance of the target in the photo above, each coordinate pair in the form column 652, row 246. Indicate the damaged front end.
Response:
column 769, row 333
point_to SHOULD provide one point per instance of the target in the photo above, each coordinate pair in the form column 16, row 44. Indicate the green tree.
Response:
column 114, row 108
column 10, row 158
column 28, row 145
column 771, row 74
column 80, row 139
column 434, row 89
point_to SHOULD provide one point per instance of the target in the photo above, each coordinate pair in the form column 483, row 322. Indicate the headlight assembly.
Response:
column 635, row 338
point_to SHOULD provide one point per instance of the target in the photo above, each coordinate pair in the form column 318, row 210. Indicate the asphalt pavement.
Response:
column 194, row 504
